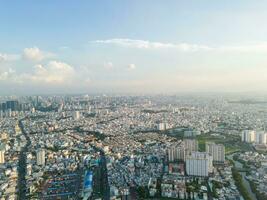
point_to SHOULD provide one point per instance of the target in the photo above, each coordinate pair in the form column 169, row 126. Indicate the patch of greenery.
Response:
column 258, row 194
column 240, row 185
column 232, row 143
column 142, row 192
column 216, row 185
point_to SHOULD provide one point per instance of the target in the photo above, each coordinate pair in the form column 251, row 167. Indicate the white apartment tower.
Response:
column 191, row 145
column 199, row 164
column 248, row 136
column 2, row 153
column 261, row 137
column 163, row 126
column 76, row 115
column 2, row 156
column 176, row 153
column 40, row 157
column 217, row 151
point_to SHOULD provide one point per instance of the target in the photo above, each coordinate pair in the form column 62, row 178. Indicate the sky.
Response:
column 123, row 46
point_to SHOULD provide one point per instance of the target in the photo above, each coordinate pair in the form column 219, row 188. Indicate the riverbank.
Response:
column 240, row 178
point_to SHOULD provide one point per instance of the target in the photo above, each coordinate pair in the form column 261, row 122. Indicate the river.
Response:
column 245, row 181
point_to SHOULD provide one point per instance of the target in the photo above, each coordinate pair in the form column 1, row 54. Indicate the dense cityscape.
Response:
column 132, row 147
column 133, row 100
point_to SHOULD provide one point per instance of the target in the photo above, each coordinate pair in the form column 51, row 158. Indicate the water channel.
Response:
column 245, row 181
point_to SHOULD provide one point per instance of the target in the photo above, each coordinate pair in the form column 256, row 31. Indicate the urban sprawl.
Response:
column 132, row 147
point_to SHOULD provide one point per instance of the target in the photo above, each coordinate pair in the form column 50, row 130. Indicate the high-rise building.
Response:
column 40, row 157
column 2, row 154
column 176, row 153
column 191, row 145
column 163, row 126
column 248, row 136
column 76, row 115
column 29, row 169
column 199, row 164
column 13, row 105
column 3, row 106
column 261, row 137
column 17, row 130
column 217, row 151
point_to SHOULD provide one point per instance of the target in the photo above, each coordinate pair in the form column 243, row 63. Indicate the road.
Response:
column 104, row 174
column 22, row 165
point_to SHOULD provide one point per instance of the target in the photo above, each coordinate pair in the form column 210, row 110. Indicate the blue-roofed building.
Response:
column 87, row 184
column 88, row 179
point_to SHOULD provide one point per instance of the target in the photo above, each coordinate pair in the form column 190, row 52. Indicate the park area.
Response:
column 232, row 143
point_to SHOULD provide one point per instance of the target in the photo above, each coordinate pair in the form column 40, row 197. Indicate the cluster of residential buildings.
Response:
column 252, row 136
column 133, row 142
column 257, row 164
column 11, row 142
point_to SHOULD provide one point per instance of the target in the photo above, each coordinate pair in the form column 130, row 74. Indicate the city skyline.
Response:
column 132, row 47
column 133, row 100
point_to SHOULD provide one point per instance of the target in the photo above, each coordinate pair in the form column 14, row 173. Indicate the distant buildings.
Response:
column 163, row 126
column 191, row 133
column 2, row 154
column 257, row 137
column 248, row 136
column 17, row 130
column 199, row 164
column 261, row 137
column 40, row 157
column 10, row 105
column 217, row 151
column 76, row 115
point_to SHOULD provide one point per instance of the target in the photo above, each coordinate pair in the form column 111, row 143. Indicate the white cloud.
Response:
column 108, row 65
column 184, row 47
column 53, row 72
column 64, row 48
column 6, row 75
column 131, row 66
column 8, row 57
column 255, row 47
column 35, row 54
column 144, row 44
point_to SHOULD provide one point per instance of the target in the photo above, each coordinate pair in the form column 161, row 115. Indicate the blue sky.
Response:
column 150, row 46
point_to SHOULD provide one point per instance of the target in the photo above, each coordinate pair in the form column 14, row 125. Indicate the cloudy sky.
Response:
column 150, row 46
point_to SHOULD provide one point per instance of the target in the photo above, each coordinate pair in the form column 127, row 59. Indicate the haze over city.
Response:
column 132, row 47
